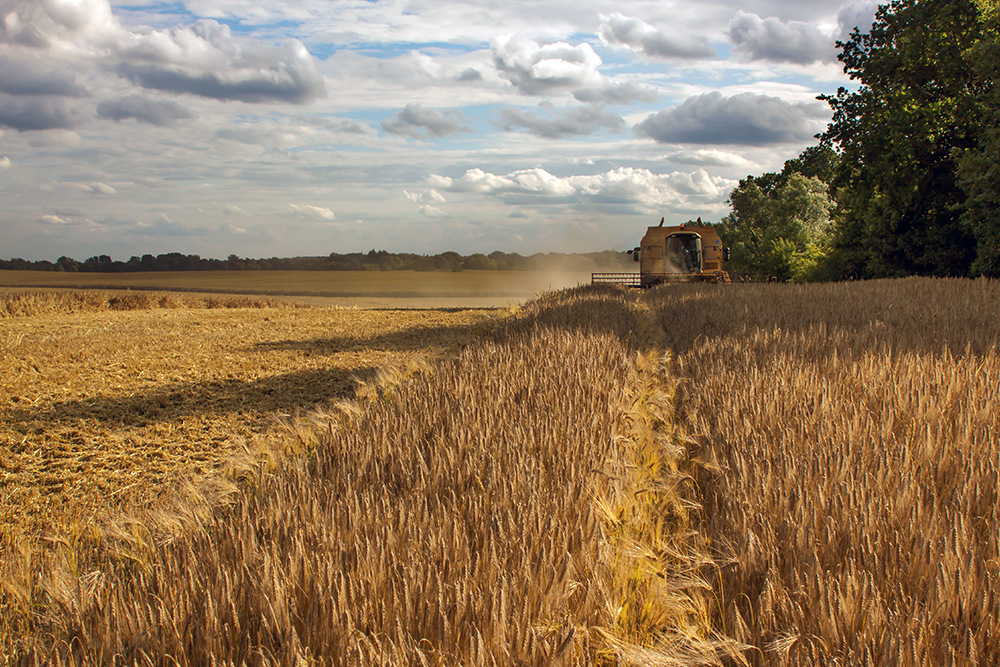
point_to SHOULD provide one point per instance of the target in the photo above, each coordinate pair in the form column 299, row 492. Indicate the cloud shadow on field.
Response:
column 301, row 389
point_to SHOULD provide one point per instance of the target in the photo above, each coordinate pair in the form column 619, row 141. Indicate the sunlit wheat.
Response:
column 856, row 429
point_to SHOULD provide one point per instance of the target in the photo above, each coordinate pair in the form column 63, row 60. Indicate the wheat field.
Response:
column 852, row 440
column 456, row 517
column 743, row 474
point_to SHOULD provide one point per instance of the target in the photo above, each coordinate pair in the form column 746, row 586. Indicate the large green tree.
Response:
column 780, row 223
column 901, row 135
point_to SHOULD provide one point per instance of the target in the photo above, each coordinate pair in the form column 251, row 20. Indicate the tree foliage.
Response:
column 781, row 222
column 979, row 166
column 902, row 135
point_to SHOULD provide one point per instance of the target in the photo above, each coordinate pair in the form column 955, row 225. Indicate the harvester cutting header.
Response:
column 683, row 254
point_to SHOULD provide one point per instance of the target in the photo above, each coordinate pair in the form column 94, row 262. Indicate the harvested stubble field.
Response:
column 751, row 474
column 105, row 398
column 111, row 400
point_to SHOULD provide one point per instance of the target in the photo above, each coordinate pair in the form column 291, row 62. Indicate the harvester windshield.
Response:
column 683, row 254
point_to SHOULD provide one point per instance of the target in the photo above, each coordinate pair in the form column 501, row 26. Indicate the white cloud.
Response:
column 775, row 40
column 625, row 185
column 310, row 212
column 339, row 125
column 57, row 24
column 52, row 219
column 527, row 181
column 409, row 67
column 150, row 182
column 163, row 226
column 97, row 188
column 143, row 109
column 694, row 183
column 65, row 220
column 5, row 162
column 745, row 119
column 431, row 211
column 545, row 69
column 858, row 15
column 204, row 59
column 653, row 42
column 572, row 122
column 233, row 209
column 412, row 73
column 641, row 186
column 424, row 197
column 709, row 157
column 266, row 133
column 39, row 112
column 54, row 138
column 425, row 202
column 618, row 92
column 418, row 122
column 469, row 74
column 27, row 74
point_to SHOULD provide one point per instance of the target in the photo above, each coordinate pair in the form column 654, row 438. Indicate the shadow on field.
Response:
column 302, row 389
column 410, row 339
column 589, row 309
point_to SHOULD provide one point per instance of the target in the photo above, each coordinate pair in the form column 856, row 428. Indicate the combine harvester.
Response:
column 684, row 254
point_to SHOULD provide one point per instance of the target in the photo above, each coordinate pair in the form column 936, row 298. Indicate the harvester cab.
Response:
column 680, row 253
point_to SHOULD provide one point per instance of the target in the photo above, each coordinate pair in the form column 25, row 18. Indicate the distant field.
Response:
column 362, row 288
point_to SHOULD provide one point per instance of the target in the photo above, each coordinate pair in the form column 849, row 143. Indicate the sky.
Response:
column 307, row 127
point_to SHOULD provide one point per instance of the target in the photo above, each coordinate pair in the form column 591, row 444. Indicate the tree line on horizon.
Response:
column 906, row 178
column 374, row 260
